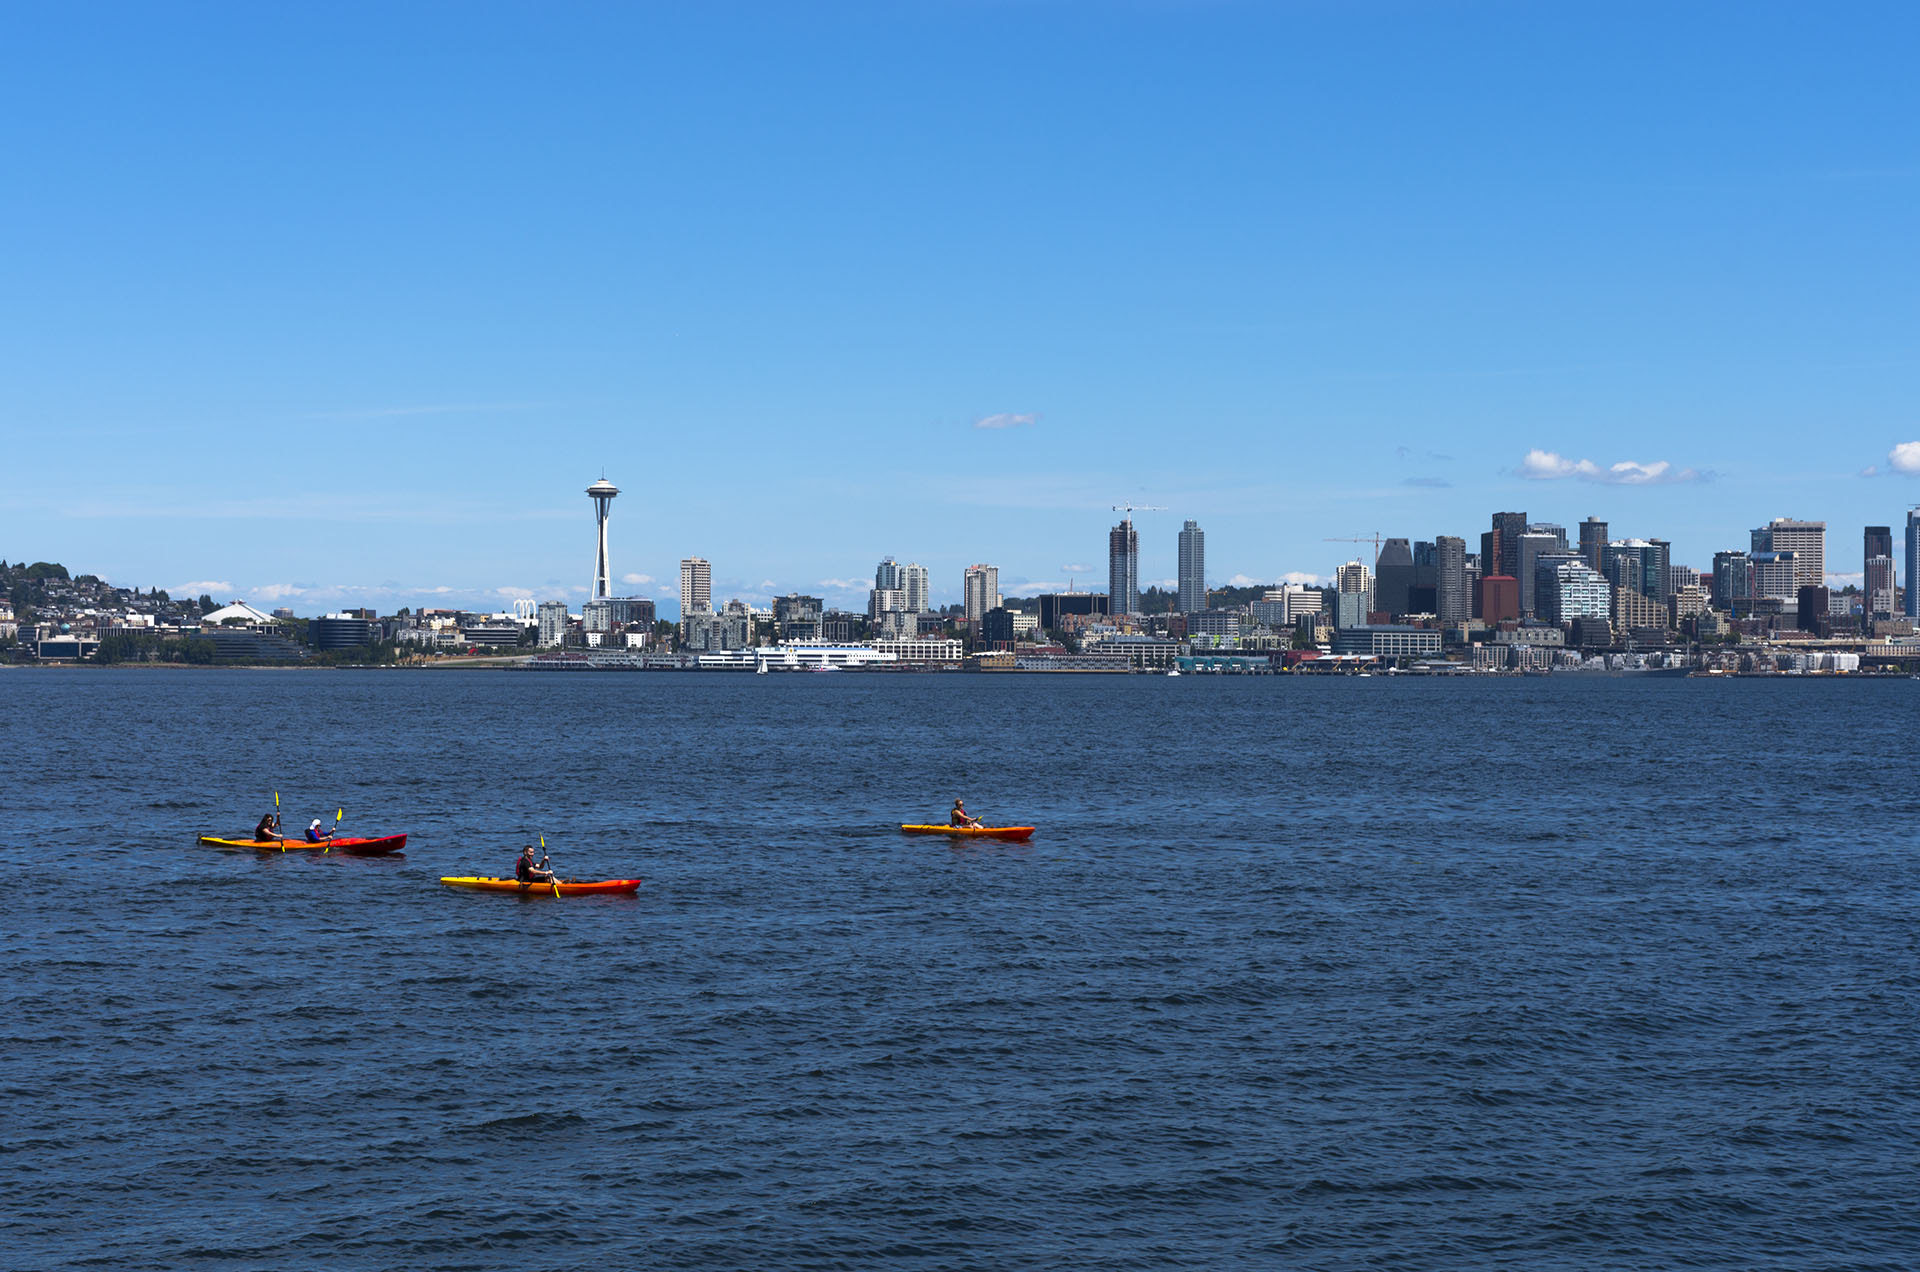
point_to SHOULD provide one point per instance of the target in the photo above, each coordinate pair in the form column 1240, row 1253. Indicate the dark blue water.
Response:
column 1542, row 974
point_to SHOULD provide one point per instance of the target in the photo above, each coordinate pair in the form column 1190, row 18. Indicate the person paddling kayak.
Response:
column 527, row 872
column 960, row 817
column 268, row 829
column 316, row 834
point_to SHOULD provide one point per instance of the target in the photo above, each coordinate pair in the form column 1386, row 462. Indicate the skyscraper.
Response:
column 981, row 590
column 1527, row 550
column 1876, row 570
column 696, row 586
column 1912, row 606
column 1504, row 543
column 1123, row 569
column 1878, row 542
column 1593, row 543
column 1393, row 576
column 1193, row 568
column 1807, row 540
column 602, row 493
column 1733, row 582
column 1453, row 601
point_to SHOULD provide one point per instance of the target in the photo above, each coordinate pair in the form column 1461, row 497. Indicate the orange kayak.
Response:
column 972, row 832
column 374, row 847
column 560, row 887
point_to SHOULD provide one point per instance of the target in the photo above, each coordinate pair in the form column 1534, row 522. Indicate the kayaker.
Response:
column 316, row 834
column 961, row 818
column 527, row 872
column 268, row 830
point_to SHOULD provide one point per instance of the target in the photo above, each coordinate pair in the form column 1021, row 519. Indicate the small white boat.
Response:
column 1173, row 671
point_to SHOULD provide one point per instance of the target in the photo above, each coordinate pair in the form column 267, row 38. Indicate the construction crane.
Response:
column 1131, row 508
column 1375, row 541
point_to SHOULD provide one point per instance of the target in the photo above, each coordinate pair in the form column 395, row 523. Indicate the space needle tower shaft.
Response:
column 602, row 493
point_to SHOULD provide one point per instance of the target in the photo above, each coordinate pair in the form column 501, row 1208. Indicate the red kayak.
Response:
column 375, row 847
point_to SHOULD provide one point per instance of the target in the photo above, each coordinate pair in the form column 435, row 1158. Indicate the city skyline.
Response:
column 359, row 342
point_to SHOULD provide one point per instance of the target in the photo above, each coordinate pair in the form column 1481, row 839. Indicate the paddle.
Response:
column 338, row 813
column 546, row 859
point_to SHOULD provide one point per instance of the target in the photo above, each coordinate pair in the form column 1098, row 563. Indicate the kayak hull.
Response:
column 377, row 846
column 562, row 888
column 972, row 832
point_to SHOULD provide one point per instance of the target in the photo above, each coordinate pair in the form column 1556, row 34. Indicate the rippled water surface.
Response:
column 1564, row 974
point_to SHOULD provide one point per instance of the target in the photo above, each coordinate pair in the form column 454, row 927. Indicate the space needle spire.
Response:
column 602, row 493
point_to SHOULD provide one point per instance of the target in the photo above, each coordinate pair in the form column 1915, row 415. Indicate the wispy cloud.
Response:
column 638, row 578
column 203, row 587
column 1077, row 569
column 1542, row 465
column 1905, row 458
column 844, row 585
column 1006, row 419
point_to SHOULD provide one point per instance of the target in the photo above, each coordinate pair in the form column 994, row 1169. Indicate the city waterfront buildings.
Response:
column 1193, row 568
column 1593, row 543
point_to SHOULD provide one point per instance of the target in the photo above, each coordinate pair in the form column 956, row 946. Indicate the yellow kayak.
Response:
column 560, row 887
column 978, row 832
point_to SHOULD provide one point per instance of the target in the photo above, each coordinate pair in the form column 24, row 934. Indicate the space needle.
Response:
column 602, row 493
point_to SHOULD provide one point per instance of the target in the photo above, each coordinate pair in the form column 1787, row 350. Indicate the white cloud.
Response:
column 280, row 591
column 1841, row 580
column 205, row 586
column 1299, row 579
column 638, row 578
column 1905, row 458
column 1005, row 419
column 845, row 585
column 1161, row 583
column 1077, row 569
column 1542, row 465
column 514, row 593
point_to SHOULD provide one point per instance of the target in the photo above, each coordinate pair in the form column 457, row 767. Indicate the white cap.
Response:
column 316, row 821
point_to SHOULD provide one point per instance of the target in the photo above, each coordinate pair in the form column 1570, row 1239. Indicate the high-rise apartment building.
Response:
column 913, row 582
column 1807, row 540
column 696, row 586
column 1776, row 575
column 1353, row 579
column 1453, row 602
column 553, row 622
column 1569, row 588
column 981, row 591
column 1733, row 582
column 1193, row 568
column 1593, row 543
column 1912, row 545
column 1123, row 569
column 1876, row 588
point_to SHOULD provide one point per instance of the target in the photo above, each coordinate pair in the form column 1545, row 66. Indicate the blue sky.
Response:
column 350, row 303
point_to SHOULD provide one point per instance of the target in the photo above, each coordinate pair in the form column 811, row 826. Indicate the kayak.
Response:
column 563, row 887
column 377, row 847
column 972, row 832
